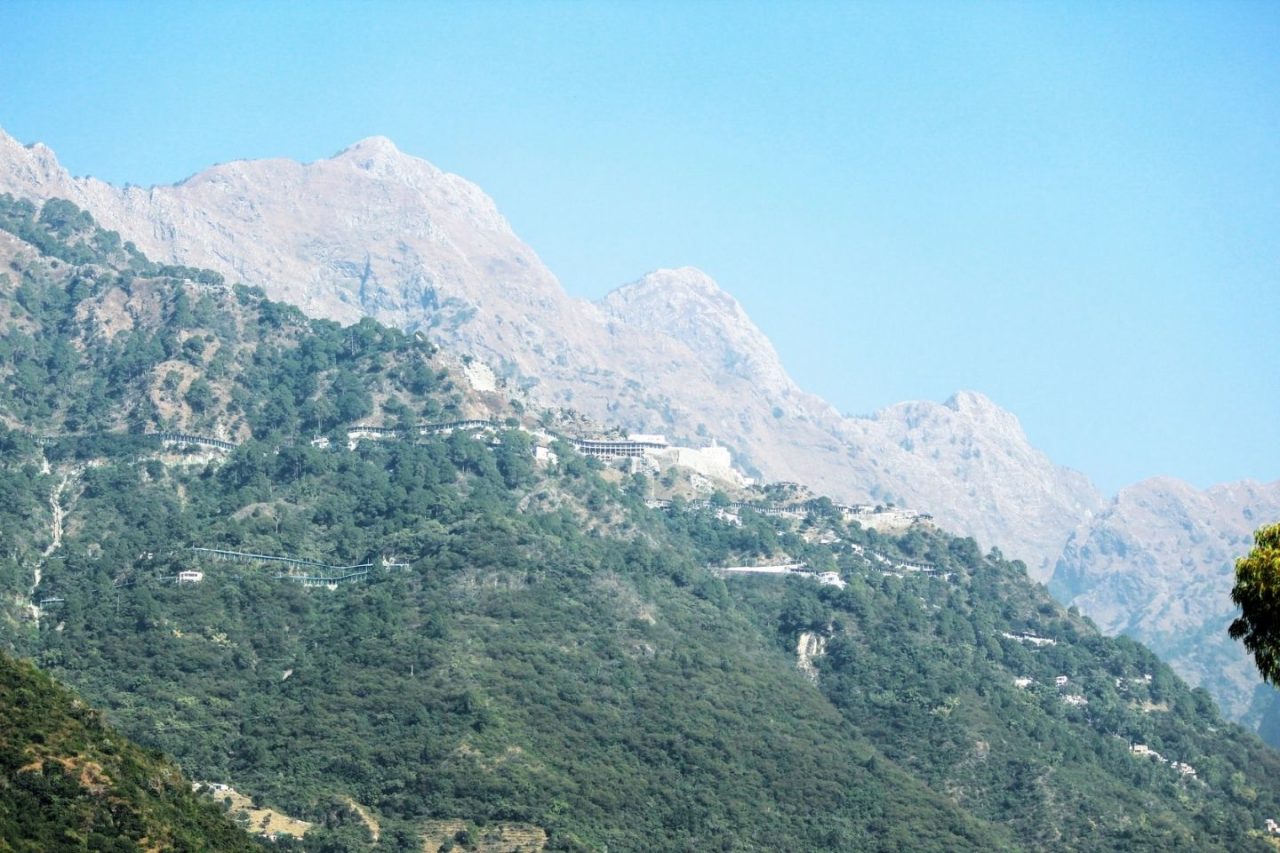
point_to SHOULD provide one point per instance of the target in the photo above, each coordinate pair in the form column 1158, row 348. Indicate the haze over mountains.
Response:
column 375, row 232
column 1146, row 567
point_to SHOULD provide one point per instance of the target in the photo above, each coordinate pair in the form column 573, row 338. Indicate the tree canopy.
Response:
column 1257, row 592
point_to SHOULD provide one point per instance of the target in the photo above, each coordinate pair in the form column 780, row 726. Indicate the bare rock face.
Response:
column 969, row 459
column 1158, row 565
column 966, row 461
column 369, row 232
column 686, row 305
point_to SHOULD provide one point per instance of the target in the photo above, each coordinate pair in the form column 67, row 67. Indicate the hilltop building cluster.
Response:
column 714, row 461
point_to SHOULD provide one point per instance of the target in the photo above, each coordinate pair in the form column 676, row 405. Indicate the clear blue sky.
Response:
column 1073, row 208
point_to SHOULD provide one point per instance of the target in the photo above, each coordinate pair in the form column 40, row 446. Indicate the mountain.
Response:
column 375, row 232
column 968, row 462
column 524, row 654
column 68, row 781
column 1157, row 565
column 314, row 563
column 686, row 305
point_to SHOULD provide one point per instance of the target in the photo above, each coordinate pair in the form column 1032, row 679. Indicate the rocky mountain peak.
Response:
column 28, row 165
column 379, row 157
column 688, row 305
column 679, row 280
column 970, row 463
column 983, row 413
column 379, row 146
column 970, row 401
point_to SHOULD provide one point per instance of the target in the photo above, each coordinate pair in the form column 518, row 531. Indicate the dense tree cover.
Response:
column 926, row 668
column 69, row 782
column 503, row 676
column 116, row 342
column 1257, row 593
column 522, row 669
column 555, row 653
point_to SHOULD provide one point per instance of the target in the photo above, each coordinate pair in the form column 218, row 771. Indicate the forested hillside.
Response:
column 69, row 782
column 472, row 644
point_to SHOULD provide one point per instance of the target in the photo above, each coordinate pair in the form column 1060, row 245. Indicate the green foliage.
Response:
column 925, row 668
column 69, row 782
column 523, row 670
column 200, row 396
column 59, row 229
column 1257, row 594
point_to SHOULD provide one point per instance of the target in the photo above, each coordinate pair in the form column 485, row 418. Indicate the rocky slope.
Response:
column 969, row 459
column 373, row 231
column 1157, row 565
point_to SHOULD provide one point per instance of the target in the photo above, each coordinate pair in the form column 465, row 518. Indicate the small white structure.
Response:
column 190, row 577
column 831, row 579
column 1061, row 681
column 214, row 787
column 785, row 569
column 1074, row 700
column 728, row 516
column 1023, row 683
column 881, row 518
column 1029, row 639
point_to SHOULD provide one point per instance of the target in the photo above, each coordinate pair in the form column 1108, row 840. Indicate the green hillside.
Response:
column 69, row 782
column 494, row 644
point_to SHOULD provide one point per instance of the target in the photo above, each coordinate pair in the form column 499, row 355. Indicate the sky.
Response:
column 1073, row 208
